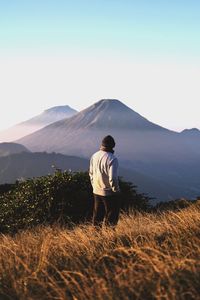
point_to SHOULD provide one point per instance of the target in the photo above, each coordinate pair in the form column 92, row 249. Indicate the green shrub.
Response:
column 63, row 197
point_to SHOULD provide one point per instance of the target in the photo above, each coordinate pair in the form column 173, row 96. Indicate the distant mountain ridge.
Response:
column 191, row 132
column 25, row 165
column 11, row 148
column 49, row 116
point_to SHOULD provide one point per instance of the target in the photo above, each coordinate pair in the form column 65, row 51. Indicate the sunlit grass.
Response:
column 148, row 256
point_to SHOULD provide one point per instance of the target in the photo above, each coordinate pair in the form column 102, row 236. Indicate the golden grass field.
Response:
column 148, row 256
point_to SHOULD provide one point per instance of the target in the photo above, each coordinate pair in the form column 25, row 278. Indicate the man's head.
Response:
column 108, row 143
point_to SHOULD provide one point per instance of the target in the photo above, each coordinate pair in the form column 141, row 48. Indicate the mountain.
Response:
column 192, row 138
column 141, row 145
column 82, row 133
column 49, row 116
column 11, row 148
column 195, row 132
column 136, row 137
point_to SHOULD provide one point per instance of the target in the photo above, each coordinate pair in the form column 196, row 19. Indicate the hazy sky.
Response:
column 144, row 53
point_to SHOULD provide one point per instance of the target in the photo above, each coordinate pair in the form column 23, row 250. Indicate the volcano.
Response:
column 49, row 116
column 82, row 133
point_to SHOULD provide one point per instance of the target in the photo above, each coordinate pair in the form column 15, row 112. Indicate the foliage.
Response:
column 63, row 197
column 131, row 199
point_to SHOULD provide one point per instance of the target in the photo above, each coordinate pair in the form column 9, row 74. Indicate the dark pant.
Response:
column 106, row 207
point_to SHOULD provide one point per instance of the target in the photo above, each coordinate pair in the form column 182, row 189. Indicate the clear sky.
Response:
column 145, row 53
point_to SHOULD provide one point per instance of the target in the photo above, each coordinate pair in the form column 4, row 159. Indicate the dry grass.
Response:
column 147, row 257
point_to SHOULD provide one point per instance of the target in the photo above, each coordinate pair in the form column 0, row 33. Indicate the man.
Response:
column 104, row 179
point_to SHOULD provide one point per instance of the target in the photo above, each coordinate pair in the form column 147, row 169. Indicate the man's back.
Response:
column 103, row 173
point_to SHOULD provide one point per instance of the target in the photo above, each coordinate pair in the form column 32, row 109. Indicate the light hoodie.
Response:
column 104, row 173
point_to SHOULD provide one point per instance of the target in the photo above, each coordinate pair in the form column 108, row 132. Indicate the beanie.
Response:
column 108, row 142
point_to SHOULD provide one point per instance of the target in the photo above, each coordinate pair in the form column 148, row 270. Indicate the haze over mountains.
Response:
column 136, row 137
column 84, row 131
column 49, row 116
column 163, row 163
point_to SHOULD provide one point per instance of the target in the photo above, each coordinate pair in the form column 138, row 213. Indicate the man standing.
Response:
column 104, row 179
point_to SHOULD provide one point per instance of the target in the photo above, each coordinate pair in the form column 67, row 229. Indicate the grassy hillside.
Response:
column 148, row 256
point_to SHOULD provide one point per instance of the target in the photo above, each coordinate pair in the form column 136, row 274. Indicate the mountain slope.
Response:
column 49, row 116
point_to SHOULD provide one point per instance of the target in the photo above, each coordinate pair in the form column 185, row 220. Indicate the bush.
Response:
column 63, row 197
